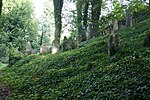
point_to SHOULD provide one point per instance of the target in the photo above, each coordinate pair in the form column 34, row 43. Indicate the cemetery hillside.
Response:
column 74, row 49
column 88, row 72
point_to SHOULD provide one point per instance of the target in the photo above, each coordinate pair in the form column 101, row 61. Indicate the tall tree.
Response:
column 79, row 17
column 1, row 4
column 82, row 17
column 96, row 11
column 58, row 4
column 85, row 13
column 149, row 4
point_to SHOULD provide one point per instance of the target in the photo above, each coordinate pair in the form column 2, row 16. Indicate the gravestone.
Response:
column 113, row 45
column 83, row 34
column 71, row 43
column 121, row 25
column 28, row 48
column 55, row 47
column 65, row 44
column 132, row 21
column 115, row 25
column 43, row 49
column 34, row 51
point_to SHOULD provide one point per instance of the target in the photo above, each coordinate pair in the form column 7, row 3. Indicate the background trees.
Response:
column 17, row 26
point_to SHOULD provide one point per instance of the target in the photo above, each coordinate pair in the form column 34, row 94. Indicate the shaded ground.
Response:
column 4, row 90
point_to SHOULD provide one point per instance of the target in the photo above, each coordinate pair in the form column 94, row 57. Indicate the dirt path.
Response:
column 4, row 89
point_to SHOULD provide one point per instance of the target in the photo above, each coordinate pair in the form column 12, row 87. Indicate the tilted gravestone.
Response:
column 113, row 45
column 115, row 25
column 64, row 46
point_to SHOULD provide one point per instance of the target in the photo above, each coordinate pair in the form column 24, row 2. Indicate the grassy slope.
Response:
column 86, row 72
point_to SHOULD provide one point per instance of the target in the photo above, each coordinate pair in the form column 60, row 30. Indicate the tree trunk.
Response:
column 85, row 16
column 41, row 40
column 127, row 17
column 58, row 4
column 96, row 10
column 79, row 19
column 1, row 4
column 149, row 4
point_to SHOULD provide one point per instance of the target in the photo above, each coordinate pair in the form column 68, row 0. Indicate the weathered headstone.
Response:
column 83, row 34
column 28, row 48
column 55, row 47
column 43, row 49
column 121, row 25
column 65, row 44
column 71, row 43
column 34, row 51
column 108, row 29
column 113, row 45
column 132, row 21
column 115, row 25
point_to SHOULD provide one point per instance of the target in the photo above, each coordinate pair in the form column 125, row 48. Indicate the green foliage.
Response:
column 137, row 6
column 17, row 25
column 118, row 12
column 146, row 42
column 14, row 56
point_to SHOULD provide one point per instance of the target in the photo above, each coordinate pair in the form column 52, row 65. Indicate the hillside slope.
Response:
column 86, row 72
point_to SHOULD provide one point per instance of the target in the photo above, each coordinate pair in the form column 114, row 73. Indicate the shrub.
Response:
column 14, row 56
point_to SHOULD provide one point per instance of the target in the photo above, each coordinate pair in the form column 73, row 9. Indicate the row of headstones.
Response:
column 114, row 43
column 68, row 44
column 118, row 25
column 29, row 50
column 114, row 39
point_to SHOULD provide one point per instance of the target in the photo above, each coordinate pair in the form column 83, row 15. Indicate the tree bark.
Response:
column 96, row 11
column 85, row 16
column 58, row 4
column 149, row 4
column 1, row 4
column 79, row 19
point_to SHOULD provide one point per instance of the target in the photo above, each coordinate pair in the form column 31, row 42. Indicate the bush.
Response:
column 146, row 42
column 14, row 56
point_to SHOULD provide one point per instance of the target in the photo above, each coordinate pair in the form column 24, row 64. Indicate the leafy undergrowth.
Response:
column 86, row 72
